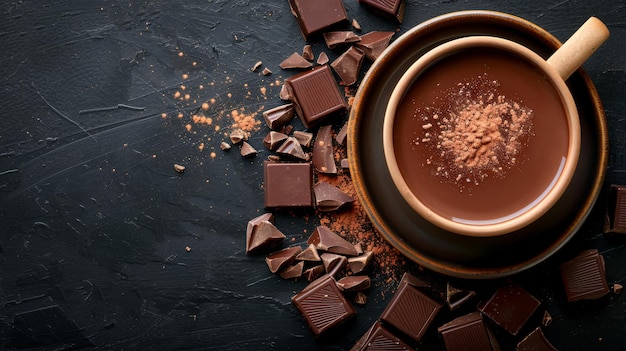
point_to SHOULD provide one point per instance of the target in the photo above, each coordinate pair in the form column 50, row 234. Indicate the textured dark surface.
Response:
column 94, row 220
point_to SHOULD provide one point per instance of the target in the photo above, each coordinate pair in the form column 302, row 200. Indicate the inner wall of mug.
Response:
column 438, row 178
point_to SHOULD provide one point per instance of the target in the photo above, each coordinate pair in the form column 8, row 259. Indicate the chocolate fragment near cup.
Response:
column 287, row 184
column 348, row 65
column 330, row 198
column 535, row 341
column 467, row 332
column 510, row 307
column 280, row 259
column 584, row 276
column 393, row 9
column 342, row 134
column 317, row 16
column 323, row 151
column 374, row 43
column 279, row 116
column 335, row 39
column 326, row 240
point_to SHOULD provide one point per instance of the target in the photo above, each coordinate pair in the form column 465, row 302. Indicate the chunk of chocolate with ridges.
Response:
column 535, row 341
column 309, row 254
column 295, row 61
column 410, row 310
column 323, row 151
column 380, row 338
column 348, row 65
column 393, row 9
column 314, row 272
column 315, row 95
column 584, row 276
column 318, row 16
column 291, row 147
column 292, row 272
column 335, row 39
column 353, row 283
column 467, row 332
column 359, row 263
column 263, row 236
column 279, row 116
column 287, row 184
column 510, row 307
column 323, row 305
column 330, row 198
column 280, row 259
column 273, row 140
column 374, row 43
column 617, row 209
column 327, row 240
column 304, row 138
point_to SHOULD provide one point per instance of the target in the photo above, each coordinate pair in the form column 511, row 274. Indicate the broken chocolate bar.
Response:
column 279, row 259
column 380, row 338
column 374, row 43
column 617, row 209
column 326, row 240
column 510, row 307
column 279, row 116
column 318, row 16
column 348, row 65
column 323, row 151
column 322, row 59
column 335, row 39
column 467, row 332
column 535, row 341
column 584, row 276
column 330, row 198
column 287, row 184
column 393, row 9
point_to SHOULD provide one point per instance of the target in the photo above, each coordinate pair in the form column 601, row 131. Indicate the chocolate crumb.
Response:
column 256, row 66
column 179, row 168
column 225, row 146
column 354, row 283
column 266, row 71
column 356, row 25
column 360, row 298
column 307, row 52
column 309, row 254
column 237, row 136
column 314, row 272
column 546, row 320
column 292, row 148
column 348, row 65
column 617, row 288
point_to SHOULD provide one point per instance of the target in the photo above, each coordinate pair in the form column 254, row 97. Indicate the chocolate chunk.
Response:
column 314, row 272
column 315, row 95
column 348, row 65
column 618, row 288
column 354, row 283
column 546, row 320
column 322, row 305
column 287, row 184
column 237, row 136
column 292, row 148
column 535, row 341
column 295, row 61
column 456, row 297
column 380, row 338
column 617, row 209
column 279, row 116
column 309, row 254
column 330, row 198
column 293, row 271
column 393, row 9
column 355, row 24
column 284, row 93
column 263, row 236
column 318, row 16
column 374, row 43
column 584, row 276
column 273, row 139
column 326, row 240
column 247, row 150
column 304, row 138
column 467, row 332
column 225, row 146
column 333, row 262
column 510, row 307
column 307, row 52
column 253, row 223
column 322, row 59
column 279, row 259
column 341, row 136
column 323, row 151
column 360, row 298
column 345, row 165
column 335, row 39
column 266, row 71
column 410, row 310
column 359, row 263
column 179, row 168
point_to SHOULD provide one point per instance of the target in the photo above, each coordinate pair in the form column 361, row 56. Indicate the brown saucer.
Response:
column 437, row 249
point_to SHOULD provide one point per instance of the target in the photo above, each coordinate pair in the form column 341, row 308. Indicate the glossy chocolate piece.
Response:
column 335, row 39
column 410, row 310
column 380, row 338
column 535, row 341
column 330, row 198
column 247, row 150
column 466, row 333
column 326, row 240
column 279, row 116
column 393, row 9
column 263, row 236
column 309, row 254
column 324, row 152
column 333, row 262
column 287, row 184
column 304, row 138
column 457, row 297
column 353, row 283
column 322, row 59
column 295, row 61
column 510, row 307
column 348, row 65
column 280, row 259
column 315, row 95
column 307, row 52
column 273, row 140
column 292, row 148
column 314, row 272
column 617, row 209
column 584, row 276
column 292, row 272
column 374, row 43
column 318, row 16
column 359, row 263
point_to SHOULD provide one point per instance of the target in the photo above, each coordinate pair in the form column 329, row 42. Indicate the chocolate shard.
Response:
column 393, row 9
column 253, row 223
column 410, row 310
column 295, row 61
column 322, row 58
column 263, row 236
column 348, row 65
column 457, row 297
column 237, row 136
column 279, row 259
column 309, row 254
column 318, row 16
column 584, row 276
column 546, row 320
column 335, row 39
column 617, row 209
column 353, row 283
column 341, row 136
column 247, row 150
column 273, row 140
column 467, row 332
column 266, row 71
column 322, row 305
column 359, row 248
column 360, row 263
column 323, row 151
column 360, row 298
column 293, row 271
column 284, row 93
column 307, row 52
column 314, row 272
column 356, row 25
column 315, row 95
column 326, row 240
column 374, row 43
column 279, row 116
column 225, row 146
column 333, row 263
column 330, row 198
column 510, row 307
column 287, row 184
column 304, row 138
column 345, row 165
column 535, row 341
column 292, row 148
column 380, row 338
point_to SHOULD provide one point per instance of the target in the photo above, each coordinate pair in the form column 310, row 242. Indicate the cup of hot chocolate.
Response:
column 481, row 135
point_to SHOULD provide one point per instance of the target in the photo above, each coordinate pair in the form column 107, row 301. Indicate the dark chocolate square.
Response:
column 393, row 9
column 315, row 95
column 617, row 209
column 510, row 307
column 288, row 184
column 466, row 333
column 317, row 16
column 584, row 277
column 380, row 338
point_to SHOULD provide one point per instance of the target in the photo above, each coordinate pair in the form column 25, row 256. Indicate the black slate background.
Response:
column 94, row 221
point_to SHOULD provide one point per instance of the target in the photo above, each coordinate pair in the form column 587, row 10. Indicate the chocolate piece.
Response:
column 318, row 16
column 237, row 136
column 314, row 272
column 348, row 65
column 247, row 150
column 618, row 288
column 315, row 95
column 584, row 277
column 179, row 168
column 356, row 24
column 343, row 133
column 309, row 254
column 393, row 9
column 380, row 338
column 354, row 283
column 279, row 116
column 323, row 151
column 326, row 240
column 345, row 165
column 330, row 198
column 284, row 93
column 287, row 184
column 335, row 39
column 256, row 66
column 253, row 223
column 266, row 71
column 333, row 262
column 292, row 148
column 359, row 248
column 263, row 236
column 307, row 52
column 374, row 43
column 293, row 271
column 410, row 310
column 360, row 298
column 510, row 307
column 304, row 138
column 546, row 320
column 273, row 158
column 279, row 259
column 295, row 61
column 273, row 139
column 225, row 146
column 456, row 297
column 467, row 332
column 617, row 209
column 359, row 263
column 322, row 59
column 535, row 341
